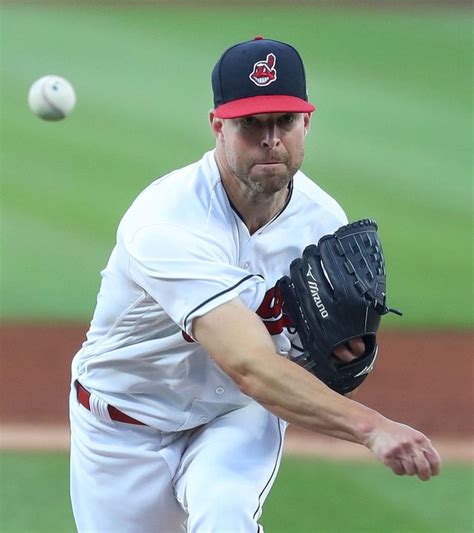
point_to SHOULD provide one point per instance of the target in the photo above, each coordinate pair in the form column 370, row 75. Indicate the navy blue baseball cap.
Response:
column 259, row 76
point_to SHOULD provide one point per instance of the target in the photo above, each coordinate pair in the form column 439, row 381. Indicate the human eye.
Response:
column 287, row 119
column 249, row 122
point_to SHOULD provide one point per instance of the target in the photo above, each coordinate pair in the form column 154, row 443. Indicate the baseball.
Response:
column 51, row 98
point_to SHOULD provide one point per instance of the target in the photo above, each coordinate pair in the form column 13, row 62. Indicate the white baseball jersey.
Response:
column 182, row 250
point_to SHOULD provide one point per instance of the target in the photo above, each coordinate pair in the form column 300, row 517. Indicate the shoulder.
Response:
column 308, row 195
column 183, row 197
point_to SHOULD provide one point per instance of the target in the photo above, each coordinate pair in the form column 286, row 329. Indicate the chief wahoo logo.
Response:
column 264, row 72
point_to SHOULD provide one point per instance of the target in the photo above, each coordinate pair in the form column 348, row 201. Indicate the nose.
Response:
column 271, row 137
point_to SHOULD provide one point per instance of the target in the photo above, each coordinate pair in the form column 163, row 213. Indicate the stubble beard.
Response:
column 261, row 182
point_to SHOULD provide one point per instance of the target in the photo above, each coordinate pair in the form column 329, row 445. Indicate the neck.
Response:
column 255, row 208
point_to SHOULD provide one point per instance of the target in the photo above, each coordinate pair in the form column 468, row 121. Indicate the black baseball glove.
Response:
column 335, row 292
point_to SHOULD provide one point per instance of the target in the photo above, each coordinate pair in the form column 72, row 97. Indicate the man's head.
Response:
column 261, row 113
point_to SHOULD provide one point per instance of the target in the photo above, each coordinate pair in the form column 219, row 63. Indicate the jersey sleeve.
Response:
column 189, row 273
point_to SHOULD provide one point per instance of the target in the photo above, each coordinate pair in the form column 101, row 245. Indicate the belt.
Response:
column 83, row 396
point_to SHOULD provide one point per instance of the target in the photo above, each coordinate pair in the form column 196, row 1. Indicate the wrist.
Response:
column 368, row 427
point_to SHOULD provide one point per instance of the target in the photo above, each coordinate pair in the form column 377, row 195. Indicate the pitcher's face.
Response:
column 263, row 151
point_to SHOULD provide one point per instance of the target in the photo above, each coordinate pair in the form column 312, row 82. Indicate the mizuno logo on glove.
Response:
column 314, row 290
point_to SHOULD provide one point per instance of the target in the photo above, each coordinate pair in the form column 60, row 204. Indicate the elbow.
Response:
column 250, row 382
column 246, row 385
column 243, row 375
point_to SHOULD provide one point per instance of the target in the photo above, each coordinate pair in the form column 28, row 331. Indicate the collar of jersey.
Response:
column 260, row 230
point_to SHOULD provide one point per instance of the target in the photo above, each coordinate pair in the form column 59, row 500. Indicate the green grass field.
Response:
column 391, row 138
column 309, row 496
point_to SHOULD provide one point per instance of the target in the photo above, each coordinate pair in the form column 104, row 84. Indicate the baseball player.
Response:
column 184, row 387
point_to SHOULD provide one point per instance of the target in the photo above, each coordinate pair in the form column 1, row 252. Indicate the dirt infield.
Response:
column 423, row 378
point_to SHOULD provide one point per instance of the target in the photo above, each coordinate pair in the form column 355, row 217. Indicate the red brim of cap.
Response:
column 256, row 105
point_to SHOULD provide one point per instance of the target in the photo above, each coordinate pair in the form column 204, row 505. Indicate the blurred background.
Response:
column 391, row 140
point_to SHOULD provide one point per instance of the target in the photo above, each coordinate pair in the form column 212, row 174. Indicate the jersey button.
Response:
column 203, row 419
column 246, row 264
column 220, row 390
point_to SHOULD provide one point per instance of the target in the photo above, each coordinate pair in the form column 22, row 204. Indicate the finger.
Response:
column 423, row 468
column 397, row 467
column 408, row 465
column 357, row 346
column 434, row 460
column 343, row 353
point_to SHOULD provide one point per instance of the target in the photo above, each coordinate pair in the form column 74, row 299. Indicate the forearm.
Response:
column 298, row 397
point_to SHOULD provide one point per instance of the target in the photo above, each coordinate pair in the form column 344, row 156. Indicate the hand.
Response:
column 350, row 351
column 405, row 450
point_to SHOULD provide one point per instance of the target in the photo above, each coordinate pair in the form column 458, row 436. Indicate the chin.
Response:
column 274, row 184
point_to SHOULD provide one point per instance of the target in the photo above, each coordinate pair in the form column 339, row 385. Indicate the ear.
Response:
column 216, row 124
column 307, row 122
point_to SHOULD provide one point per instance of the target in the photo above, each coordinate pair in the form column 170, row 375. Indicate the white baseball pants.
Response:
column 136, row 479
